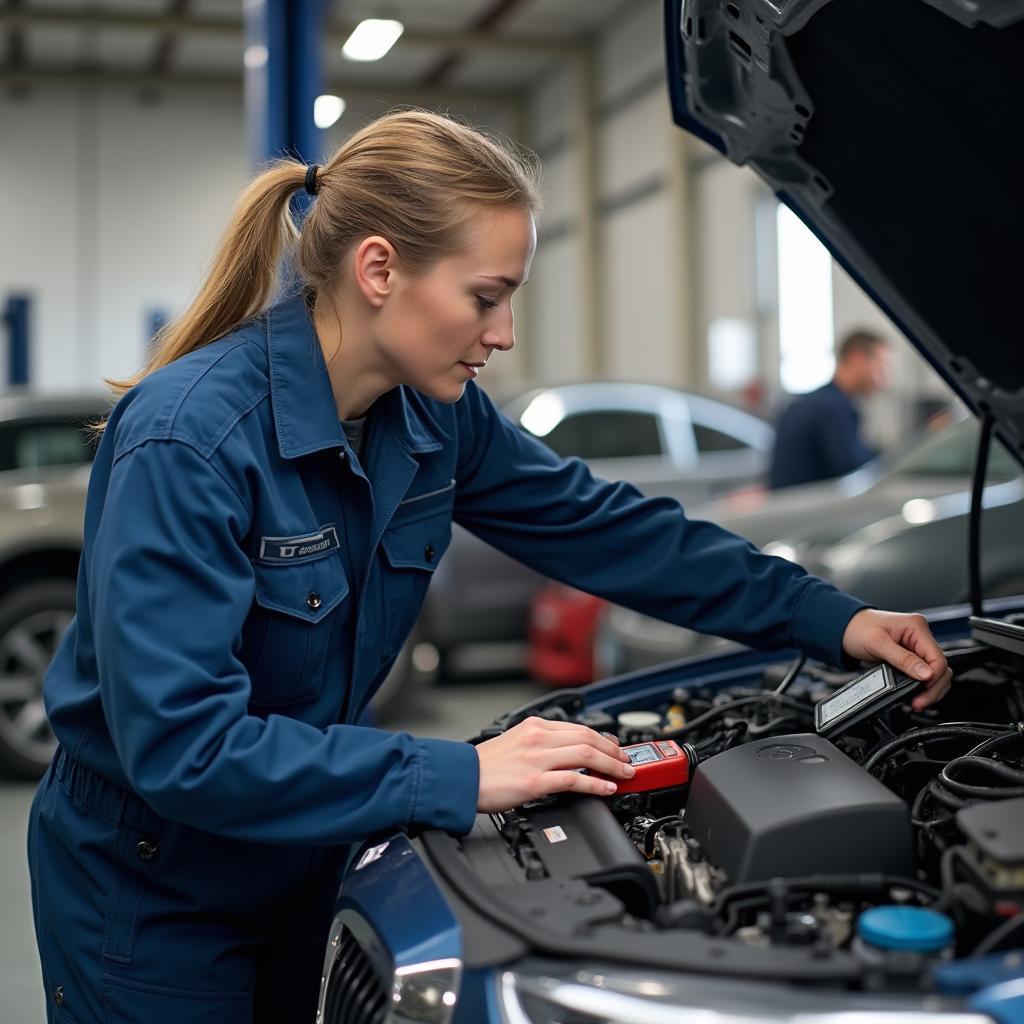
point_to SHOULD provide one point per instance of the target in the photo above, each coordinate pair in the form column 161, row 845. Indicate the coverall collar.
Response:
column 305, row 415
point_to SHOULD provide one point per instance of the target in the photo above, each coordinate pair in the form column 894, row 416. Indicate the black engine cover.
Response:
column 796, row 805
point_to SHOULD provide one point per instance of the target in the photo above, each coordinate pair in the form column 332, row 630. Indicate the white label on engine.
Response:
column 556, row 834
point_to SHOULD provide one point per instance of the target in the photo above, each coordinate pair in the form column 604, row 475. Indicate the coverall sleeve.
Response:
column 644, row 553
column 170, row 585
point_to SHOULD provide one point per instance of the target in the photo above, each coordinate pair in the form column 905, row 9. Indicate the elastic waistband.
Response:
column 88, row 787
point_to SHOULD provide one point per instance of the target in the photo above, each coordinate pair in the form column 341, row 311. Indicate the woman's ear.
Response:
column 374, row 265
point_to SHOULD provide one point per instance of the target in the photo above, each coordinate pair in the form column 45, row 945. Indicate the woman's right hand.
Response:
column 536, row 758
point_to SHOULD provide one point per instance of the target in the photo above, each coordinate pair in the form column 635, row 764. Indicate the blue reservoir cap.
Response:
column 905, row 928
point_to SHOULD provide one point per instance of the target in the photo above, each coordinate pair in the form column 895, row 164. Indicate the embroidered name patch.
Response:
column 297, row 549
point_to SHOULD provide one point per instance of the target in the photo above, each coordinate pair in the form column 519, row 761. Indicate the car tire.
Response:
column 33, row 618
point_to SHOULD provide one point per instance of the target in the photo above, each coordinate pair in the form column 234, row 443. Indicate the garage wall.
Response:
column 557, row 347
column 131, row 224
column 631, row 257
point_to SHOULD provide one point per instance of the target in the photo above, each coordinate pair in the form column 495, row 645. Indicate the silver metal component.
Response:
column 836, row 920
column 684, row 878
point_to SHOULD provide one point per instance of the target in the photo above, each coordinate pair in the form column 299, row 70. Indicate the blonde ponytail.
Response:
column 413, row 176
column 243, row 277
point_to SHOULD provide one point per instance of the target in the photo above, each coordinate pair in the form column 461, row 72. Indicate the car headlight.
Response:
column 624, row 996
column 359, row 984
column 425, row 993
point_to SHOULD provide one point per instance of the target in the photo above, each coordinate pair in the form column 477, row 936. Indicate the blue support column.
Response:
column 16, row 320
column 156, row 320
column 283, row 77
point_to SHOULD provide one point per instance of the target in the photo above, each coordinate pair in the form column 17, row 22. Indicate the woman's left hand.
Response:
column 906, row 643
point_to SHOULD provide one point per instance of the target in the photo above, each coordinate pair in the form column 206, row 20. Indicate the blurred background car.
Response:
column 874, row 532
column 45, row 453
column 664, row 441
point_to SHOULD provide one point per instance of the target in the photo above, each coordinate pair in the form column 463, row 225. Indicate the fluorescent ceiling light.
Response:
column 255, row 56
column 327, row 109
column 372, row 38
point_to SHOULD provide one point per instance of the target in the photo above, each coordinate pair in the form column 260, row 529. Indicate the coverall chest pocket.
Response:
column 286, row 638
column 413, row 543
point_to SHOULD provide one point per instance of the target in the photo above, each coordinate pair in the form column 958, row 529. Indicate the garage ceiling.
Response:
column 472, row 46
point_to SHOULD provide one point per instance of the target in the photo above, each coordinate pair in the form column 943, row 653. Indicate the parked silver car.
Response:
column 875, row 533
column 666, row 442
column 45, row 452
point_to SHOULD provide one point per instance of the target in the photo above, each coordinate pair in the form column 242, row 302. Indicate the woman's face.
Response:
column 436, row 330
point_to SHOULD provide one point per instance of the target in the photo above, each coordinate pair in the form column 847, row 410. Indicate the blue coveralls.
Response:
column 244, row 587
column 818, row 438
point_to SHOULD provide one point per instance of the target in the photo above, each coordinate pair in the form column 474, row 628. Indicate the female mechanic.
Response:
column 268, row 501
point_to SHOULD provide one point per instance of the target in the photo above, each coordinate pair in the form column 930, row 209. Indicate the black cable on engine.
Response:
column 996, row 741
column 721, row 709
column 951, row 731
column 794, row 671
column 974, row 523
column 993, row 940
column 860, row 885
column 958, row 894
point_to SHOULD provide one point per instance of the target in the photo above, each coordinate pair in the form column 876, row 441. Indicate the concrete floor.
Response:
column 451, row 711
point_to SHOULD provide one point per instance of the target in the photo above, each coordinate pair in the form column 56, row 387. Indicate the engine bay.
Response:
column 874, row 856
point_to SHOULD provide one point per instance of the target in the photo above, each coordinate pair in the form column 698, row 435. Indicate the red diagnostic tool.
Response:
column 659, row 764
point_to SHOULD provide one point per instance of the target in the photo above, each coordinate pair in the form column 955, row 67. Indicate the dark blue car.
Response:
column 809, row 847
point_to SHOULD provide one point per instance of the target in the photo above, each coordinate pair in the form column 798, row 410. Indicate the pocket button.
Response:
column 58, row 995
column 313, row 601
column 145, row 849
column 428, row 552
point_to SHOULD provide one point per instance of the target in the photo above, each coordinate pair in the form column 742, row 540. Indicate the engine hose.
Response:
column 953, row 891
column 954, row 731
column 994, row 939
column 944, row 797
column 865, row 884
column 722, row 709
column 995, row 741
column 918, row 805
column 985, row 765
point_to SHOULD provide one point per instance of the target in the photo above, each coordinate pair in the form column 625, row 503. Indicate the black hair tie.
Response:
column 312, row 185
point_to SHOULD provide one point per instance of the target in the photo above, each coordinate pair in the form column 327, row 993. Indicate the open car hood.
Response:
column 894, row 131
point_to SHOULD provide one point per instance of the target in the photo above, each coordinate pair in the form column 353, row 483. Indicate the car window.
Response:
column 606, row 434
column 951, row 453
column 37, row 444
column 711, row 440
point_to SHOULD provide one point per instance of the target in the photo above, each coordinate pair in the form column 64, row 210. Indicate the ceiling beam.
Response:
column 231, row 28
column 391, row 95
column 15, row 37
column 167, row 41
column 485, row 22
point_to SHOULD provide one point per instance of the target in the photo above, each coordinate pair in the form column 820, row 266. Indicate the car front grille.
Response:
column 356, row 994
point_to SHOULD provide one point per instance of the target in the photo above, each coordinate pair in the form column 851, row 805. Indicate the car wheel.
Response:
column 33, row 618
